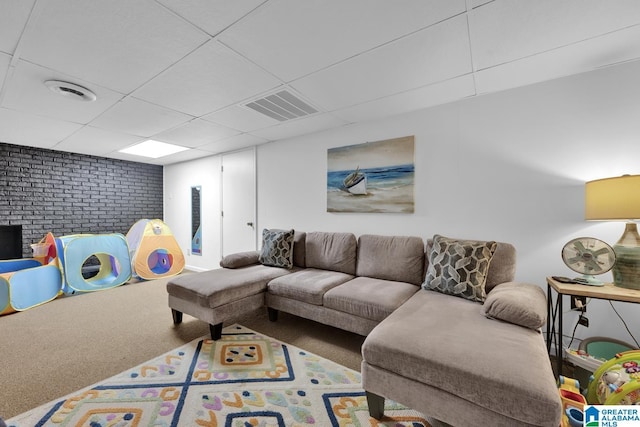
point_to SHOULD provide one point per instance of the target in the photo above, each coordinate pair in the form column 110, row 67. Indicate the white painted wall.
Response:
column 509, row 166
column 178, row 180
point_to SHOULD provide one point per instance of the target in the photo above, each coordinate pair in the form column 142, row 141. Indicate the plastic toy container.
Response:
column 604, row 348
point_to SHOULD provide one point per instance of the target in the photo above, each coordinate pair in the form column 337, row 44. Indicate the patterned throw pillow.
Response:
column 459, row 267
column 277, row 248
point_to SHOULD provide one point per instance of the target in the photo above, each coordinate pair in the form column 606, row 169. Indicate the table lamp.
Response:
column 616, row 199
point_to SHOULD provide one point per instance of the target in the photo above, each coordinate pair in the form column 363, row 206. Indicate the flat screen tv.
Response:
column 10, row 241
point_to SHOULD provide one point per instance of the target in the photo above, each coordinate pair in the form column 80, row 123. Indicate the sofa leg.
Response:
column 376, row 405
column 177, row 316
column 216, row 331
column 273, row 314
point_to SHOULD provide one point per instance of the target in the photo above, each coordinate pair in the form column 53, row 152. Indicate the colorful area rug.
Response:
column 244, row 379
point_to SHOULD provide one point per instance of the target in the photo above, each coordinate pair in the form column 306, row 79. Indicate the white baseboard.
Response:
column 194, row 268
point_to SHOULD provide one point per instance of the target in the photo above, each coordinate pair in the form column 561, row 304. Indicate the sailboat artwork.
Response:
column 355, row 182
column 371, row 177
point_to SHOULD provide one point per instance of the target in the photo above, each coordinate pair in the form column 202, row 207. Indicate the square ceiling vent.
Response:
column 282, row 106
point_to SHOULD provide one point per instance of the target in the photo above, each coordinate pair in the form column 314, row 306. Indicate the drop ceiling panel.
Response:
column 234, row 143
column 212, row 16
column 297, row 127
column 241, row 118
column 140, row 118
column 424, row 97
column 34, row 131
column 26, row 91
column 209, row 79
column 478, row 3
column 5, row 60
column 619, row 46
column 293, row 38
column 505, row 30
column 12, row 21
column 118, row 44
column 435, row 54
column 195, row 133
column 96, row 142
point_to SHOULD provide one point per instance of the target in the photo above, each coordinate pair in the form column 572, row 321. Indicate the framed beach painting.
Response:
column 372, row 177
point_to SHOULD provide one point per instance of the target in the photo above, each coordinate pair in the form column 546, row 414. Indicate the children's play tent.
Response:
column 26, row 283
column 109, row 250
column 154, row 251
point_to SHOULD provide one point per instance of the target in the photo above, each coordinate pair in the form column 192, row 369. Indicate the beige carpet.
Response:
column 72, row 342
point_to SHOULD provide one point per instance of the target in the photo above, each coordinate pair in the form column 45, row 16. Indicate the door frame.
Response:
column 254, row 151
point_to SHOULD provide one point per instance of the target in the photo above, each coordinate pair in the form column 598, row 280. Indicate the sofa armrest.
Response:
column 240, row 259
column 522, row 304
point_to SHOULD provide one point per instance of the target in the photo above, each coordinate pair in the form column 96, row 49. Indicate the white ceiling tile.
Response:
column 293, row 38
column 438, row 53
column 35, row 131
column 5, row 60
column 241, row 118
column 210, row 78
column 301, row 126
column 195, row 133
column 424, row 97
column 141, row 118
column 577, row 58
column 96, row 142
column 118, row 44
column 506, row 30
column 212, row 16
column 26, row 91
column 233, row 143
column 13, row 18
column 478, row 3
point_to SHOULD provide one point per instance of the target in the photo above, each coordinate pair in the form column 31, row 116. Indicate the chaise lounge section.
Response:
column 446, row 355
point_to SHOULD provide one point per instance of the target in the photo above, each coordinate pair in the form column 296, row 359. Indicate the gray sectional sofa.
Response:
column 472, row 356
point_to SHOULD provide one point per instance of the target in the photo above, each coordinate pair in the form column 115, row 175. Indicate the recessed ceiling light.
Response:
column 153, row 149
column 70, row 90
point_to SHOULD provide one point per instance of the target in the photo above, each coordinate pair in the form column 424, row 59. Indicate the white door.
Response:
column 238, row 202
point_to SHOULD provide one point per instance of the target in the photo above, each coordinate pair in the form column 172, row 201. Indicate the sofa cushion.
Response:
column 447, row 343
column 277, row 248
column 396, row 258
column 240, row 259
column 214, row 288
column 370, row 298
column 522, row 304
column 299, row 250
column 459, row 267
column 308, row 285
column 331, row 251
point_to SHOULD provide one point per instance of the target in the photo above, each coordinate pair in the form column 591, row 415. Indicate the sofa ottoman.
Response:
column 217, row 295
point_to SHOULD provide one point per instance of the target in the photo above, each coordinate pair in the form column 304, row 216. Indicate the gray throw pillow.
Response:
column 522, row 304
column 240, row 259
column 277, row 248
column 459, row 267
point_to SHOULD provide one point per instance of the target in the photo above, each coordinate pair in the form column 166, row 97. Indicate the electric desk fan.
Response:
column 588, row 256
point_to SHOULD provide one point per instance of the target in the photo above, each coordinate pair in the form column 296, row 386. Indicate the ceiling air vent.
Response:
column 282, row 106
column 70, row 90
